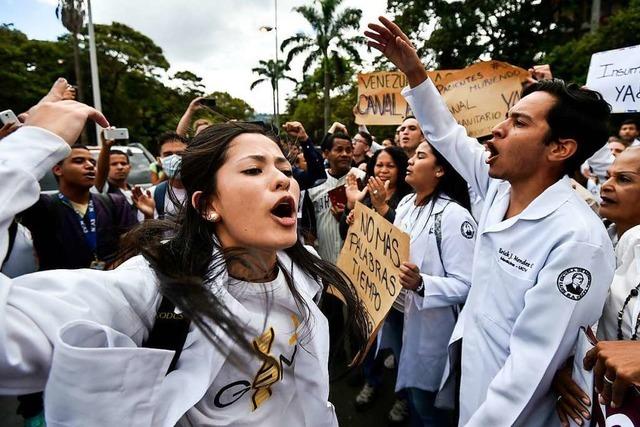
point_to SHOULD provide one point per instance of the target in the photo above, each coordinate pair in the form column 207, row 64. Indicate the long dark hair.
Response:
column 187, row 258
column 401, row 160
column 451, row 186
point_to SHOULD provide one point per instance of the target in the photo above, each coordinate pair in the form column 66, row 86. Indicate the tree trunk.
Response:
column 76, row 66
column 275, row 111
column 79, row 86
column 327, row 93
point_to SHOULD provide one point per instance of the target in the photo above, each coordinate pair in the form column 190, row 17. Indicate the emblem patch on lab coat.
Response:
column 467, row 230
column 574, row 282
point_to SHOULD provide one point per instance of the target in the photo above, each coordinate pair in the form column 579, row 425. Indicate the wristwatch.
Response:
column 420, row 289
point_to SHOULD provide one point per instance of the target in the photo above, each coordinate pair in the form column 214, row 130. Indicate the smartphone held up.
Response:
column 208, row 102
column 8, row 117
column 116, row 133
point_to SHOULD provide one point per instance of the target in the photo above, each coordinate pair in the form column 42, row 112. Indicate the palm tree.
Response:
column 71, row 13
column 327, row 43
column 272, row 72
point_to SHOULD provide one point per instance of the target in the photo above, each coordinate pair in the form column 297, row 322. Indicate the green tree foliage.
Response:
column 328, row 44
column 189, row 83
column 71, row 14
column 570, row 61
column 517, row 31
column 29, row 68
column 131, row 65
column 270, row 71
column 229, row 108
column 307, row 103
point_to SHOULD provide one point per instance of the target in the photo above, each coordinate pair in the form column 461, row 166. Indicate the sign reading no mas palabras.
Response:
column 478, row 96
column 616, row 75
column 371, row 257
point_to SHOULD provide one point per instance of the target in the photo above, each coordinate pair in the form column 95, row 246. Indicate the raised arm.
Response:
column 185, row 120
column 102, row 173
column 315, row 164
column 437, row 123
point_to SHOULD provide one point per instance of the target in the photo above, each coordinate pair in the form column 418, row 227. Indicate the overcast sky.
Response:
column 219, row 40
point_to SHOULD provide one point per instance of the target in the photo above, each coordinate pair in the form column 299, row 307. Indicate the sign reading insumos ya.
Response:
column 371, row 257
column 616, row 75
column 478, row 96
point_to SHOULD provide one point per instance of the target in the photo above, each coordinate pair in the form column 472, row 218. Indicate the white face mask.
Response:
column 171, row 166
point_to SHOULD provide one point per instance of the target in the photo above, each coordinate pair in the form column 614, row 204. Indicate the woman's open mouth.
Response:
column 284, row 212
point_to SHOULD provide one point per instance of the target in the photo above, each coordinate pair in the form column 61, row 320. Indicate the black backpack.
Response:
column 169, row 331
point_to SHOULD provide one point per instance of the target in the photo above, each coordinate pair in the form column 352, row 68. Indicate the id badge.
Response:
column 97, row 265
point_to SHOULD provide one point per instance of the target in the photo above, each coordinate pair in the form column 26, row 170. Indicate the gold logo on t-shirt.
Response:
column 271, row 370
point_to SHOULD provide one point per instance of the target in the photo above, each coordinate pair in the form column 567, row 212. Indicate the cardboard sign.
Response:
column 379, row 99
column 616, row 75
column 371, row 257
column 478, row 96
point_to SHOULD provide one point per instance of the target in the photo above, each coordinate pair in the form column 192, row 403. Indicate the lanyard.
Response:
column 90, row 235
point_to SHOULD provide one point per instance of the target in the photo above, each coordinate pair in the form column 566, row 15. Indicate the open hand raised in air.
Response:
column 389, row 39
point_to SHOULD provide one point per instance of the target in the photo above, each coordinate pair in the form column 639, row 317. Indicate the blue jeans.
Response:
column 423, row 411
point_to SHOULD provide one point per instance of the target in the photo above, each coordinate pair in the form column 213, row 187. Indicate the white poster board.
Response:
column 616, row 75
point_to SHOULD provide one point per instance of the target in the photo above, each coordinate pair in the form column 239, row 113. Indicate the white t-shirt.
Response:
column 329, row 241
column 248, row 391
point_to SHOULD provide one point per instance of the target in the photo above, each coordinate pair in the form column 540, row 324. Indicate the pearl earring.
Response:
column 213, row 217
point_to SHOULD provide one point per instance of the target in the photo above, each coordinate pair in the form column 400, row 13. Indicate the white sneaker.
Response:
column 399, row 412
column 390, row 362
column 366, row 396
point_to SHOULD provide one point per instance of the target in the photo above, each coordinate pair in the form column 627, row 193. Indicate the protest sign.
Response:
column 371, row 257
column 616, row 75
column 379, row 99
column 478, row 96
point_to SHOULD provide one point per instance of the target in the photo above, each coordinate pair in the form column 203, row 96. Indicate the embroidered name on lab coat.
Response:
column 515, row 261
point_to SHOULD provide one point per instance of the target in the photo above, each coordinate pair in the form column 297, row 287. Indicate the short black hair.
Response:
column 629, row 122
column 120, row 153
column 327, row 144
column 367, row 136
column 578, row 113
column 73, row 147
column 168, row 137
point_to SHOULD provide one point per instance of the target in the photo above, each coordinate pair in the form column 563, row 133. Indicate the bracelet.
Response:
column 420, row 289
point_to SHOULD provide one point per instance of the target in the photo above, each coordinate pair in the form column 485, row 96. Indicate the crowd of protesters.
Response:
column 190, row 302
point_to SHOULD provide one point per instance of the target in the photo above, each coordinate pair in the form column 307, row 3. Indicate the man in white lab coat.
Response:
column 535, row 238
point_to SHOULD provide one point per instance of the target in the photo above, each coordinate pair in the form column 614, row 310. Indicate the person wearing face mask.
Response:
column 166, row 198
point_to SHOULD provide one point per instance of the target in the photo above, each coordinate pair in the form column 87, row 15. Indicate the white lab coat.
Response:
column 518, row 326
column 626, row 278
column 429, row 320
column 78, row 332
